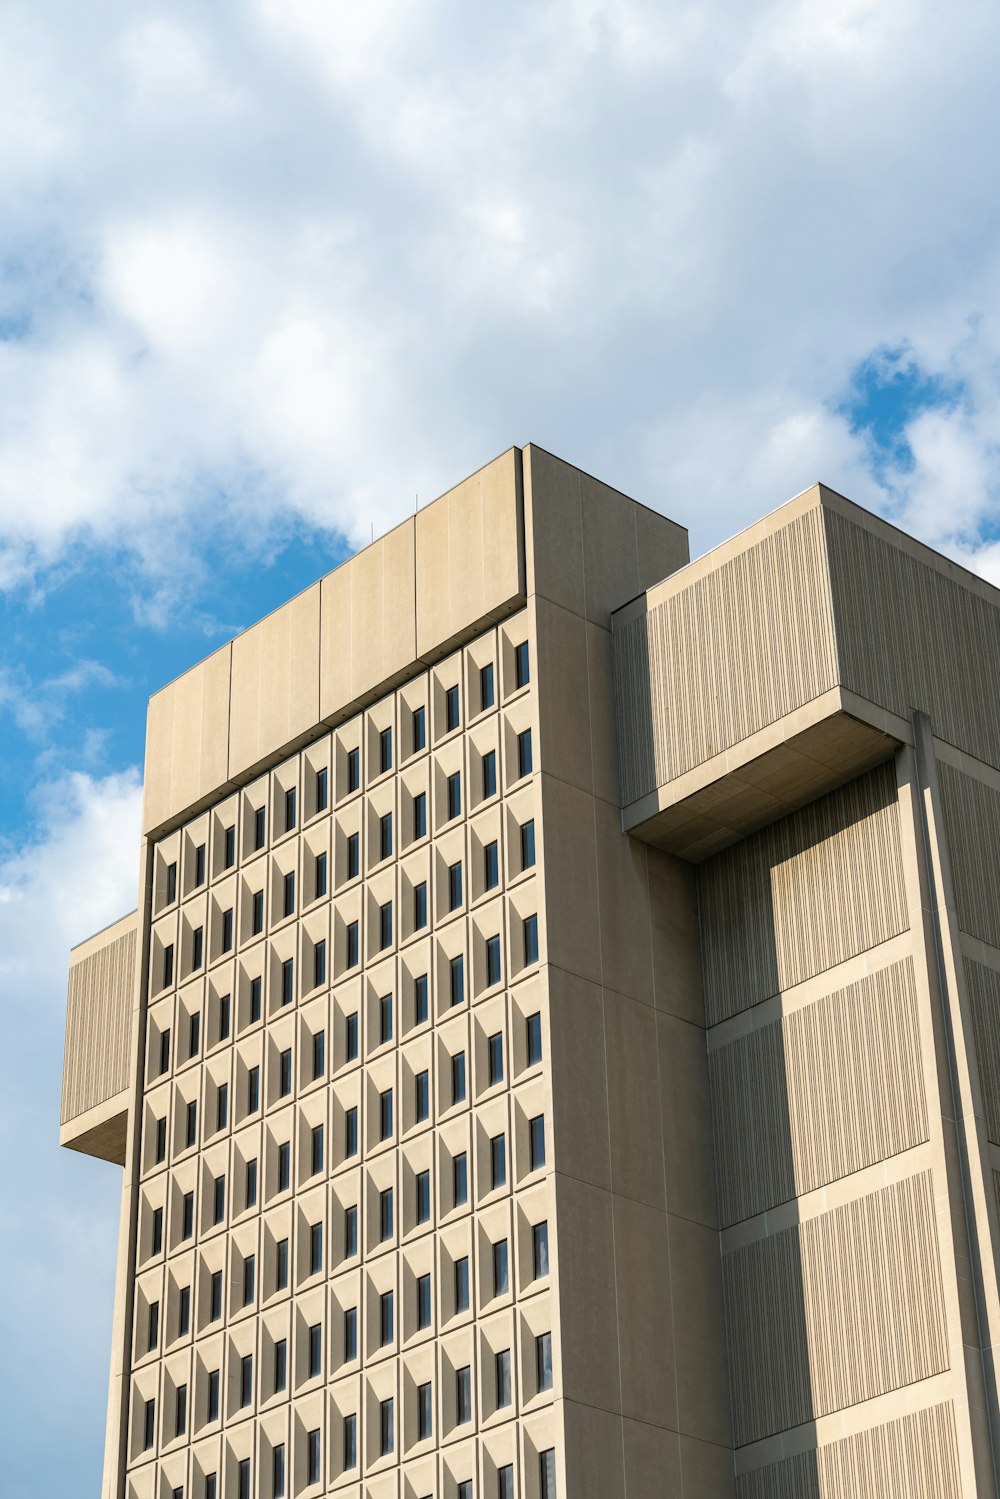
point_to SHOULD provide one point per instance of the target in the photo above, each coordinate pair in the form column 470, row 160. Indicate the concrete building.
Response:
column 556, row 1054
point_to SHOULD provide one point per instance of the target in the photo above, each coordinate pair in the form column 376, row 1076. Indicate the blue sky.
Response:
column 269, row 270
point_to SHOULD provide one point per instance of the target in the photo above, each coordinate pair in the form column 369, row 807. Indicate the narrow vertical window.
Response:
column 180, row 1410
column 352, row 945
column 168, row 964
column 225, row 1006
column 197, row 947
column 211, row 1486
column 215, row 1296
column 351, row 1131
column 547, row 1473
column 536, row 1141
column 491, row 863
column 350, row 1334
column 156, row 1237
column 317, row 1149
column 420, row 999
column 457, row 979
column 492, row 960
column 227, row 930
column 352, row 1036
column 278, row 1471
column 320, row 875
column 423, row 1301
column 319, row 963
column 259, row 828
column 253, row 1090
column 454, row 886
column 524, row 753
column 533, row 1027
column 187, row 1216
column 315, row 1249
column 460, row 1179
column 290, row 809
column 386, row 1319
column 171, row 884
column 280, row 1362
column 385, row 751
column 322, row 789
column 243, row 1478
column 424, row 1412
column 463, row 1395
column 455, row 794
column 284, row 1166
column 218, row 1199
column 229, row 855
column 161, row 1141
column 423, row 1096
column 540, row 1248
column 350, row 1231
column 450, row 709
column 315, row 1350
column 285, row 1073
column 385, row 925
column 490, row 773
column 522, row 672
column 502, row 1375
column 353, row 770
column 249, row 1279
column 498, row 1162
column 257, row 914
column 501, row 1272
column 199, row 866
column 312, row 1457
column 153, row 1326
column 494, row 1048
column 255, row 999
column 385, row 1019
column 385, row 835
column 543, row 1361
column 419, row 729
column 458, row 1077
column 222, row 1106
column 350, row 1441
column 530, row 939
column 148, row 1425
column 387, row 1424
column 420, row 814
column 184, row 1312
column 288, row 895
column 212, row 1404
column 385, row 1114
column 191, row 1129
column 164, row 1051
column 423, row 1196
column 385, row 1216
column 287, row 981
column 281, row 1265
column 505, row 1481
column 462, row 1284
column 486, row 687
column 353, row 856
column 319, row 1054
column 420, row 906
column 246, row 1379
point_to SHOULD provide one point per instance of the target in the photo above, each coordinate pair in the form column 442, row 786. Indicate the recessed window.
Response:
column 197, row 947
column 290, row 809
column 315, row 1350
column 385, row 1114
column 501, row 1272
column 180, row 1410
column 490, row 773
column 284, row 1166
column 494, row 1049
column 351, row 955
column 215, row 1296
column 255, row 999
column 168, row 964
column 187, row 1216
column 350, row 1231
column 229, row 853
column 465, row 1489
column 533, row 1028
column 351, row 1131
column 251, row 1184
column 420, row 999
column 259, row 828
column 543, row 1361
column 317, row 1149
column 450, row 709
column 531, row 939
column 423, row 1302
column 462, row 1284
column 420, row 814
column 249, row 1279
column 281, row 1265
column 161, row 1141
column 455, row 794
column 385, row 751
column 315, row 1248
column 280, row 1360
column 463, row 1395
column 320, row 871
column 423, row 1196
column 218, row 1199
column 171, row 883
column 353, row 856
column 222, row 1106
column 313, row 1459
column 524, row 753
column 419, row 729
column 458, row 1077
column 148, row 1425
column 351, row 1333
column 246, row 1380
column 350, row 1441
column 319, row 963
column 420, row 906
column 424, row 1412
column 156, row 1236
column 319, row 1054
column 502, row 1376
column 486, row 693
column 224, row 1016
column 285, row 1073
column 460, row 1179
column 385, row 925
column 385, row 1214
column 498, row 1162
column 385, row 1019
column 191, row 1124
column 212, row 1411
column 243, row 1478
column 492, row 960
column 547, row 1473
column 385, row 836
column 540, row 1248
column 353, row 770
column 153, row 1326
column 184, row 1311
column 322, row 789
column 536, row 1142
column 257, row 914
column 287, row 981
column 387, row 1426
column 288, row 896
column 227, row 930
column 491, row 866
column 422, row 1087
column 522, row 671
column 385, row 1318
column 351, row 1039
column 457, row 976
column 454, row 886
column 278, row 1471
column 199, row 866
column 253, row 1090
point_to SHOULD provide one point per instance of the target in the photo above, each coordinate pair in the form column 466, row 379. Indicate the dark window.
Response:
column 352, row 1036
column 502, row 1374
column 187, row 1216
column 184, row 1311
column 492, row 960
column 458, row 1077
column 385, row 925
column 259, row 827
column 540, row 1248
column 350, row 1441
column 246, row 1379
column 317, row 1149
column 171, row 883
column 450, row 709
column 351, row 1131
column 423, row 1098
column 215, row 1296
column 385, row 835
column 353, row 855
column 353, row 770
column 164, row 1051
column 249, row 1278
column 315, row 1247
column 424, row 1413
column 161, row 1141
column 227, row 931
column 460, row 1179
column 168, row 964
column 491, row 861
column 457, row 979
column 420, row 814
column 536, row 1141
column 315, row 1350
column 419, row 729
column 281, row 1265
column 547, row 1473
column 288, row 899
column 280, row 1362
column 385, row 1214
column 191, row 1124
column 423, row 1301
column 486, row 686
column 285, row 1073
column 385, row 1019
column 322, row 794
column 157, row 1233
column 290, row 809
column 498, row 1162
column 465, row 1489
column 255, row 997
column 385, row 751
column 243, row 1479
column 211, row 1486
column 420, row 1004
column 533, row 1026
column 543, row 1361
column 319, row 963
column 351, row 1333
column 462, row 1284
column 524, row 753
column 199, row 866
column 352, row 944
column 253, row 1090
column 385, row 1318
column 522, row 675
column 350, row 1231
column 387, row 1423
column 495, row 1050
column 218, row 1199
column 229, row 856
column 320, row 879
column 455, row 794
column 505, row 1481
column 148, row 1425
column 385, row 1114
column 319, row 1054
column 420, row 906
column 423, row 1196
column 501, row 1278
column 463, row 1395
column 153, row 1326
column 287, row 981
column 225, row 1006
column 180, row 1410
column 531, row 939
column 213, row 1395
column 312, row 1457
column 278, row 1471
column 257, row 917
column 197, row 947
column 490, row 773
column 222, row 1106
column 454, row 886
column 284, row 1166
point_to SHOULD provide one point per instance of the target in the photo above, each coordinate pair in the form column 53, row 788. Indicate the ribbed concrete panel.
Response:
column 98, row 1006
column 862, row 1310
column 820, row 1093
column 915, row 635
column 972, row 817
column 802, row 895
column 915, row 1457
column 984, row 993
column 716, row 661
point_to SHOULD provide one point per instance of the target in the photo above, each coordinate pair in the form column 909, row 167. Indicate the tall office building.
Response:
column 556, row 1054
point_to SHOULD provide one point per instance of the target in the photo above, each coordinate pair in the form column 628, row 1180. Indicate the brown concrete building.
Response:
column 557, row 1050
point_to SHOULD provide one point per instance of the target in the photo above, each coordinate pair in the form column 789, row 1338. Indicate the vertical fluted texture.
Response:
column 98, row 1006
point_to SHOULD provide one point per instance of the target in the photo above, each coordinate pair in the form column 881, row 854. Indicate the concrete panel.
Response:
column 557, row 529
column 610, row 553
column 707, row 1470
column 673, row 915
column 570, row 871
column 433, row 570
column 594, row 1467
column 652, row 1461
column 634, row 1099
column 686, row 1113
column 399, row 616
column 624, row 902
column 336, row 642
column 645, row 1319
column 159, row 757
column 579, row 1079
column 587, row 1313
column 564, row 708
column 699, row 1332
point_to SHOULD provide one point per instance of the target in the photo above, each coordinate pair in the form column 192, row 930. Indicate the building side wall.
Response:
column 98, row 1013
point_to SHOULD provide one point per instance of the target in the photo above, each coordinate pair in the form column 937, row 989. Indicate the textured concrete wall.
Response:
column 98, row 1019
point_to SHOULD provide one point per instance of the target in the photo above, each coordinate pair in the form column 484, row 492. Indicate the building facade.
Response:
column 556, row 1054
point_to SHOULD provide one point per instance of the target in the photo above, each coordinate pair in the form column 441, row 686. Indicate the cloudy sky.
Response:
column 270, row 270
